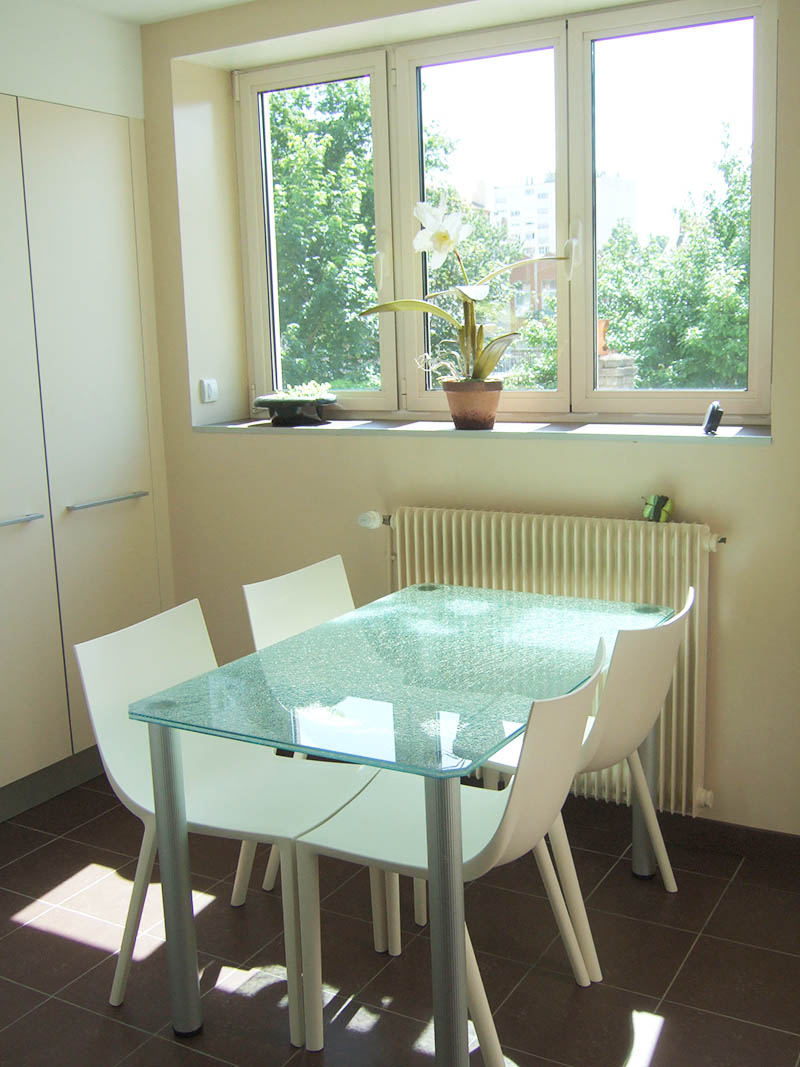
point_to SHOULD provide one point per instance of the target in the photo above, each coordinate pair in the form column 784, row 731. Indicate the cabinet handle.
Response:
column 108, row 500
column 22, row 518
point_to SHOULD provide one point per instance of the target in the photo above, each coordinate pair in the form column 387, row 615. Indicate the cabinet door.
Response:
column 35, row 723
column 82, row 235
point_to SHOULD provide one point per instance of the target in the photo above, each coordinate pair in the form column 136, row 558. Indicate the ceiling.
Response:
column 142, row 11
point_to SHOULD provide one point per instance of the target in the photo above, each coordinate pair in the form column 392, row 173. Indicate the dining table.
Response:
column 430, row 680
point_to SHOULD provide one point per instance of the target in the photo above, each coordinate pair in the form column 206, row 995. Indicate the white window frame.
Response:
column 405, row 113
column 260, row 282
column 628, row 21
column 396, row 140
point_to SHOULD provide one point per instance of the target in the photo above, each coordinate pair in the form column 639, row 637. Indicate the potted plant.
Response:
column 297, row 405
column 465, row 373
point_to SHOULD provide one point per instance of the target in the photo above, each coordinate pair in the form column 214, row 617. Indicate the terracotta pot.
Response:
column 473, row 403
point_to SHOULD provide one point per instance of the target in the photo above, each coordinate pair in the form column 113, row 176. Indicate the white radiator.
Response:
column 611, row 559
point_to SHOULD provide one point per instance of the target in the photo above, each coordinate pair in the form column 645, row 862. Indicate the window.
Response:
column 647, row 213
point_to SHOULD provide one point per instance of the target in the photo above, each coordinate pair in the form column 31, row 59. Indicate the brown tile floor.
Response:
column 714, row 971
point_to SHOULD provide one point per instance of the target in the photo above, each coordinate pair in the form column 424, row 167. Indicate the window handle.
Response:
column 573, row 248
column 378, row 268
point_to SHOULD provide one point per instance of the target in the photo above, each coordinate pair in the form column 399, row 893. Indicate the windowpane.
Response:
column 488, row 151
column 673, row 128
column 318, row 164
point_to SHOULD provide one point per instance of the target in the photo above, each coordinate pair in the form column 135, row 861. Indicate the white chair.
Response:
column 633, row 694
column 497, row 827
column 233, row 789
column 279, row 608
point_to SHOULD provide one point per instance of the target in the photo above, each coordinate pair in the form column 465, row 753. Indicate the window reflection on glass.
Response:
column 672, row 152
column 488, row 149
column 317, row 145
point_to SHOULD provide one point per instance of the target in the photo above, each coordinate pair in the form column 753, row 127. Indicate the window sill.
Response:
column 593, row 431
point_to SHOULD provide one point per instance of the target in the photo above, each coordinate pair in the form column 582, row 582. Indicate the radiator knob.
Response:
column 370, row 520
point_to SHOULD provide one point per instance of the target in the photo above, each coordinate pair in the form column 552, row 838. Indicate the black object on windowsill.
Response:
column 295, row 411
column 713, row 417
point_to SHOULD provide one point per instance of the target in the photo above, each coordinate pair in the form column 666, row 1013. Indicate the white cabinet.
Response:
column 91, row 398
column 35, row 723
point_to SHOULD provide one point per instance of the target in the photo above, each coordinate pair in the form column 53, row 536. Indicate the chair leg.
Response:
column 144, row 872
column 420, row 901
column 271, row 873
column 574, row 898
column 560, row 913
column 393, row 933
column 291, row 941
column 480, row 1012
column 377, row 893
column 244, row 868
column 490, row 777
column 651, row 822
column 311, row 940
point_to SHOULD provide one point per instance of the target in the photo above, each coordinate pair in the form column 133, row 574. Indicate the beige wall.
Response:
column 246, row 507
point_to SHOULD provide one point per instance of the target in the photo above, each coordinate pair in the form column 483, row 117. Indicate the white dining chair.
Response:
column 497, row 828
column 279, row 608
column 633, row 694
column 233, row 789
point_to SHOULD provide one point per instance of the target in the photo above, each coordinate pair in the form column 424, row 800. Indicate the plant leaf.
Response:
column 413, row 305
column 491, row 355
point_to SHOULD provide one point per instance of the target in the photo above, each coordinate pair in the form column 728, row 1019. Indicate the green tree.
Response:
column 324, row 231
column 682, row 310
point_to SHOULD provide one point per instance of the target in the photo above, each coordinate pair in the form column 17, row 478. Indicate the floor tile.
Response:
column 755, row 984
column 404, row 985
column 115, row 829
column 65, row 812
column 548, row 1015
column 639, row 956
column 699, row 1038
column 758, row 916
column 56, row 948
column 688, row 909
column 15, row 1001
column 16, row 841
column 523, row 874
column 349, row 959
column 160, row 1052
column 353, row 898
column 16, row 910
column 58, row 870
column 62, row 1035
column 517, row 926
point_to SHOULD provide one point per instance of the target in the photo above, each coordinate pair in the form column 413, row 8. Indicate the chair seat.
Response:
column 271, row 798
column 359, row 833
column 506, row 760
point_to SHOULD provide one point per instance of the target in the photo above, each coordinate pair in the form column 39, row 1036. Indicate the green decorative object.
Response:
column 658, row 508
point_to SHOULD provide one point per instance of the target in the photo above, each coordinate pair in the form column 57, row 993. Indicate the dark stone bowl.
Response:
column 295, row 411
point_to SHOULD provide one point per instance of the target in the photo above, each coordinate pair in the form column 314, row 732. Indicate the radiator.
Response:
column 611, row 559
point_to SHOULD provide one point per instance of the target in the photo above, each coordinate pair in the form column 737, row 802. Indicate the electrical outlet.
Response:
column 209, row 390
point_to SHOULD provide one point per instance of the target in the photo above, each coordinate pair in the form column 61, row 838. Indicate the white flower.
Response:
column 440, row 232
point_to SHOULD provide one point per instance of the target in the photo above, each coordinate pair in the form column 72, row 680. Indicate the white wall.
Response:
column 67, row 55
column 246, row 507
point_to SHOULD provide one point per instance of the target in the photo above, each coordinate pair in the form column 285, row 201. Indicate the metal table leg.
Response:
column 176, row 891
column 446, row 907
column 644, row 860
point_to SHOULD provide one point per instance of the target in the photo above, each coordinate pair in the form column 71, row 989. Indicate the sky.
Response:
column 662, row 100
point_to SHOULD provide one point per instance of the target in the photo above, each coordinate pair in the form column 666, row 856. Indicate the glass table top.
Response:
column 432, row 679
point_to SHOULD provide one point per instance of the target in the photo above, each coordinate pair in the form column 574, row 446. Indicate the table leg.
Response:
column 643, row 857
column 176, row 890
column 446, row 908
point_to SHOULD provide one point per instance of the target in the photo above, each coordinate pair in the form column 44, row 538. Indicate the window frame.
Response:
column 397, row 175
column 405, row 111
column 584, row 30
column 260, row 281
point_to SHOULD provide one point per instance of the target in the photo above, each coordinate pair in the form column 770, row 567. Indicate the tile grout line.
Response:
column 699, row 934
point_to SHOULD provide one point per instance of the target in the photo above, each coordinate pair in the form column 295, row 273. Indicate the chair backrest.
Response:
column 548, row 761
column 284, row 606
column 131, row 664
column 635, row 689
